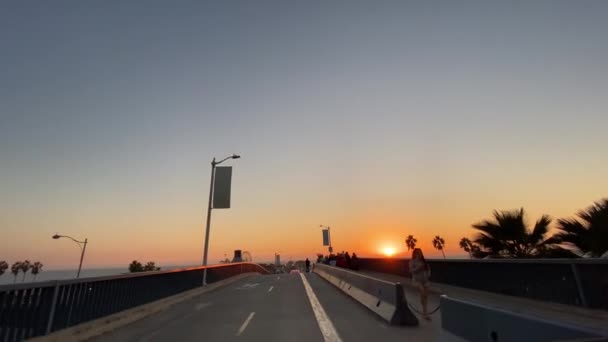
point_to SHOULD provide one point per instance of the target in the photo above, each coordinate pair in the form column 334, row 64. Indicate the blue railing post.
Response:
column 49, row 323
column 579, row 285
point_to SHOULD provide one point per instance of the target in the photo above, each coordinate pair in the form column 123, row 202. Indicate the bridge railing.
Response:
column 581, row 282
column 35, row 309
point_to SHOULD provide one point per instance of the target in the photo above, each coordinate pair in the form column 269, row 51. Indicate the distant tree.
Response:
column 150, row 266
column 36, row 268
column 467, row 245
column 508, row 235
column 439, row 243
column 15, row 269
column 3, row 267
column 25, row 267
column 588, row 234
column 410, row 242
column 136, row 266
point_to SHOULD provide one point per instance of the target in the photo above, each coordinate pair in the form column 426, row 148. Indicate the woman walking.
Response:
column 420, row 271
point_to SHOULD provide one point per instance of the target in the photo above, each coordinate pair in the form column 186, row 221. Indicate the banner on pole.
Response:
column 221, row 187
column 325, row 237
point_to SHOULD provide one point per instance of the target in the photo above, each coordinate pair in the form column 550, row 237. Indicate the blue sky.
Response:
column 392, row 115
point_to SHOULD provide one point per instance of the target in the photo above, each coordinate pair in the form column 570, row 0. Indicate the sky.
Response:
column 380, row 119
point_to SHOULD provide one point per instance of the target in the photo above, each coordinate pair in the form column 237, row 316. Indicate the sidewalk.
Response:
column 593, row 319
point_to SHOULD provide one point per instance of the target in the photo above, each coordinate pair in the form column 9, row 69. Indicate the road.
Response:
column 272, row 308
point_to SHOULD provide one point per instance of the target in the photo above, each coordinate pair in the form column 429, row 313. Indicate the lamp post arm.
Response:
column 221, row 161
column 71, row 238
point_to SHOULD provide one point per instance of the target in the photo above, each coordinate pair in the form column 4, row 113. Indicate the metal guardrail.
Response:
column 580, row 282
column 36, row 309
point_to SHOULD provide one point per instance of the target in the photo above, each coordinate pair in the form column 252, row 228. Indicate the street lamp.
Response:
column 81, row 244
column 209, row 207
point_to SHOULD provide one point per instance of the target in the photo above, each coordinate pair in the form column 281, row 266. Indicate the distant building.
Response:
column 277, row 260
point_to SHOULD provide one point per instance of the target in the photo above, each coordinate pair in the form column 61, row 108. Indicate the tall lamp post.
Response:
column 209, row 207
column 81, row 244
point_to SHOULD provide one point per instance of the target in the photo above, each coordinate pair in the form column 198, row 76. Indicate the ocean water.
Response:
column 8, row 278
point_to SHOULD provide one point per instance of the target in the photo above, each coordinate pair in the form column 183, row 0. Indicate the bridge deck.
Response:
column 282, row 313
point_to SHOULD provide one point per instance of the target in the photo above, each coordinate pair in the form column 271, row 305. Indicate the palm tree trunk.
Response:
column 15, row 280
column 23, row 279
column 470, row 255
column 443, row 253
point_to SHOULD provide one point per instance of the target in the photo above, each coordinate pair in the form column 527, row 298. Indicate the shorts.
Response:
column 422, row 281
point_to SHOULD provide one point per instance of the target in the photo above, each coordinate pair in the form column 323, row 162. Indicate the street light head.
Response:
column 235, row 156
column 56, row 236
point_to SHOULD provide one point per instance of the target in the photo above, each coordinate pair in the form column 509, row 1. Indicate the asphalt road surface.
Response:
column 273, row 308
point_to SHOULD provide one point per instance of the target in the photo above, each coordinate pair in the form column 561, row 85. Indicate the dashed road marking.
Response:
column 270, row 289
column 248, row 286
column 245, row 324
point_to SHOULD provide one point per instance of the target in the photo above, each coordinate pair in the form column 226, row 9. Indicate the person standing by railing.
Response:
column 421, row 271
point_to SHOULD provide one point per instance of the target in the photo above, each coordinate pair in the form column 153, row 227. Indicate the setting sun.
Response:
column 388, row 251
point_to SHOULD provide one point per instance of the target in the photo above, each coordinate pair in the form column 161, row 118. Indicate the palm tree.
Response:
column 467, row 245
column 410, row 242
column 3, row 267
column 508, row 235
column 15, row 269
column 25, row 266
column 438, row 243
column 36, row 268
column 589, row 233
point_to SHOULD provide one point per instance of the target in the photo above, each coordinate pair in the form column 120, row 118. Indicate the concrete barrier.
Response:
column 384, row 298
column 475, row 322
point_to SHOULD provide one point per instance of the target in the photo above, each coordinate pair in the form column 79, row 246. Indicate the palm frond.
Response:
column 540, row 229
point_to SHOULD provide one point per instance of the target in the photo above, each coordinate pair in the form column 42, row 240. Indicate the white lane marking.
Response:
column 248, row 286
column 201, row 306
column 327, row 327
column 245, row 324
column 270, row 289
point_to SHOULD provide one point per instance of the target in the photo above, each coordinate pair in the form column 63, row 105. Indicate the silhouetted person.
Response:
column 420, row 271
column 307, row 265
column 354, row 262
column 341, row 261
column 348, row 260
column 332, row 259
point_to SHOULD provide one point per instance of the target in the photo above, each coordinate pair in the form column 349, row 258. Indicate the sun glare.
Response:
column 388, row 251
